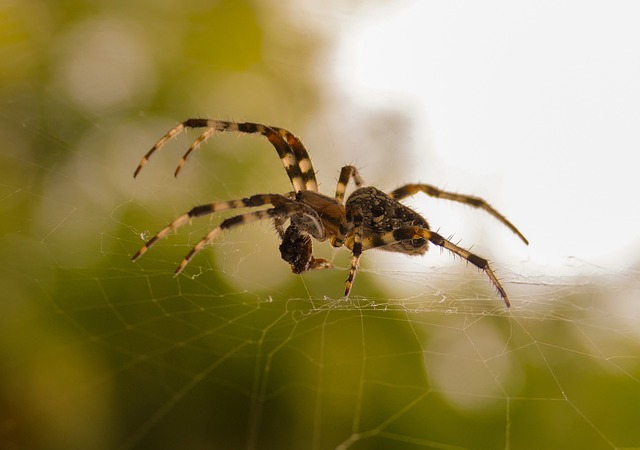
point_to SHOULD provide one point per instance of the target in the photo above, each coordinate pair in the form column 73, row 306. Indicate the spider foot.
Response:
column 347, row 289
column 349, row 284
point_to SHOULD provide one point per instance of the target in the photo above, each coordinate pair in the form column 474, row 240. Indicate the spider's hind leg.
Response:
column 476, row 202
column 413, row 233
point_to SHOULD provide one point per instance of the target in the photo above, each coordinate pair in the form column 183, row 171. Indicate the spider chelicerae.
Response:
column 370, row 218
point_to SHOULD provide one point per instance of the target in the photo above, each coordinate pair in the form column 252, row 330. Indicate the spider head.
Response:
column 296, row 249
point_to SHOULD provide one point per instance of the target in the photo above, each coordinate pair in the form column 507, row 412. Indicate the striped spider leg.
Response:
column 476, row 202
column 283, row 208
column 292, row 153
column 380, row 221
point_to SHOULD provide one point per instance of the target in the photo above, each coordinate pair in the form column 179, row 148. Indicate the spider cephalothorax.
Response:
column 370, row 218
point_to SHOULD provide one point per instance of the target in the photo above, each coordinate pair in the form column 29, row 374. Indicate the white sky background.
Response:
column 534, row 104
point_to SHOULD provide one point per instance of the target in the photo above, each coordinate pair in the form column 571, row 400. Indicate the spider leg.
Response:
column 256, row 200
column 356, row 250
column 303, row 160
column 347, row 173
column 284, row 210
column 292, row 153
column 172, row 133
column 476, row 202
column 409, row 233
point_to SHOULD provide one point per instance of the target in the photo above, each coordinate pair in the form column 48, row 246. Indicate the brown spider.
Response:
column 369, row 219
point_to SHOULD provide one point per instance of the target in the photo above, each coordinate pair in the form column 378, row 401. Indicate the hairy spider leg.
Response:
column 356, row 250
column 303, row 160
column 172, row 133
column 286, row 210
column 410, row 233
column 292, row 153
column 255, row 200
column 476, row 202
column 347, row 173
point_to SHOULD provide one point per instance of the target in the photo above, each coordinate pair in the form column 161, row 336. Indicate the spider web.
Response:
column 98, row 352
column 233, row 357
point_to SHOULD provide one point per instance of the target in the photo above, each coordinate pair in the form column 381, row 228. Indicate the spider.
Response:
column 370, row 218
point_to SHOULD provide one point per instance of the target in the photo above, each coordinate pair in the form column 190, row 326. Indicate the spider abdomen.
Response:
column 382, row 215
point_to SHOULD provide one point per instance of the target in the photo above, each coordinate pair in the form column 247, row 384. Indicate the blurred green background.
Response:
column 97, row 352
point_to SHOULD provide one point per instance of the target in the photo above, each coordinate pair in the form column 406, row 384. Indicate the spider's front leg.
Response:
column 292, row 153
column 283, row 209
